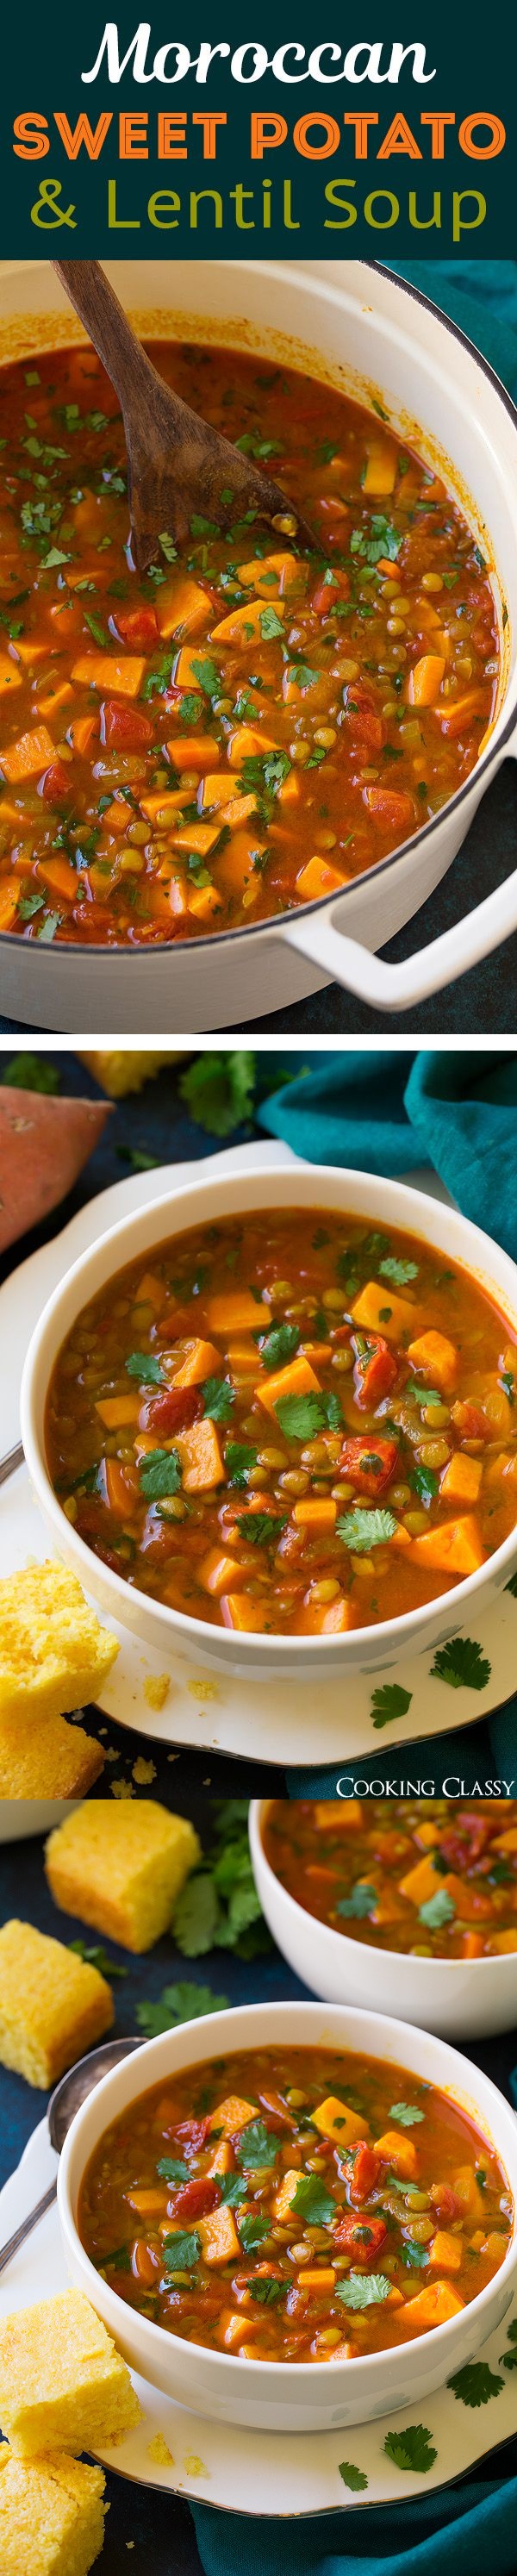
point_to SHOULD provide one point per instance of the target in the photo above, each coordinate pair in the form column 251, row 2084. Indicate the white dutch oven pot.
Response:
column 306, row 1659
column 351, row 324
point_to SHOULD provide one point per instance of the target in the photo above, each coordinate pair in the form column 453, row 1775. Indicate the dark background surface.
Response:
column 160, row 2526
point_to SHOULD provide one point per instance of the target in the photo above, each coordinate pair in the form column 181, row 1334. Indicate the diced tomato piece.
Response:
column 125, row 728
column 194, row 2133
column 375, row 1369
column 55, row 784
column 196, row 2198
column 370, row 1463
column 327, row 593
column 368, row 728
column 365, row 2168
column 470, row 1422
column 137, row 625
column 362, row 2237
column 444, row 2200
column 170, row 1411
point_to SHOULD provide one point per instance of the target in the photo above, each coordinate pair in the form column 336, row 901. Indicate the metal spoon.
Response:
column 64, row 2102
column 177, row 463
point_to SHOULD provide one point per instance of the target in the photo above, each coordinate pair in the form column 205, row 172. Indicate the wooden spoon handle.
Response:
column 107, row 326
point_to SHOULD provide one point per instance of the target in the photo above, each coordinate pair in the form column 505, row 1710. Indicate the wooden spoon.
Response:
column 177, row 464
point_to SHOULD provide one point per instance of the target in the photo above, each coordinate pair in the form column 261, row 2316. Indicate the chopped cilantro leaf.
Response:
column 390, row 1702
column 362, row 1530
column 143, row 1365
column 160, row 1474
column 461, row 1664
column 411, row 2449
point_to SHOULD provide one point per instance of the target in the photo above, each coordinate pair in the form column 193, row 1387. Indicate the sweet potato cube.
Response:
column 218, row 1572
column 380, row 470
column 324, row 2280
column 288, row 574
column 244, row 625
column 233, row 2114
column 467, row 2192
column 116, row 1410
column 240, row 1612
column 317, row 878
column 10, row 677
column 201, row 1460
column 457, row 1548
column 9, row 898
column 188, row 668
column 319, row 1619
column 506, row 1842
column 234, row 2328
column 334, row 2120
column 216, row 789
column 347, row 1812
column 297, row 1379
column 425, row 680
column 183, row 608
column 201, row 1360
column 222, row 2161
column 122, row 677
column 193, row 751
column 446, row 2251
column 432, row 2308
column 237, row 1311
column 500, row 1942
column 249, row 743
column 420, row 1882
column 285, row 2194
column 318, row 1514
column 236, row 863
column 197, row 838
column 378, row 1310
column 398, row 2151
column 32, row 753
column 219, row 2237
column 462, row 1478
column 433, row 1352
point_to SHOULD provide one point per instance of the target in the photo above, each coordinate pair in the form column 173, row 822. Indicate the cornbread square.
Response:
column 53, row 1653
column 51, row 2515
column 121, row 1867
column 49, row 1761
column 52, row 2004
column 122, row 1069
column 63, row 2385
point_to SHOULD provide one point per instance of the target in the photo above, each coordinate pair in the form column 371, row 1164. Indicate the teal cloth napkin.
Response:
column 392, row 1114
column 451, row 2534
column 460, row 1113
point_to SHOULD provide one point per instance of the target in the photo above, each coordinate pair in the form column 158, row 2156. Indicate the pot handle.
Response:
column 398, row 988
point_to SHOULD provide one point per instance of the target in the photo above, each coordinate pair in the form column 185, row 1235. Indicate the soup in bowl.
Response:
column 280, row 2212
column 367, row 1896
column 265, row 1417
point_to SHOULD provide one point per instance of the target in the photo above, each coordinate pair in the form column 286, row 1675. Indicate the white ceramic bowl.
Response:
column 281, row 2396
column 456, row 1998
column 350, row 323
column 171, row 1631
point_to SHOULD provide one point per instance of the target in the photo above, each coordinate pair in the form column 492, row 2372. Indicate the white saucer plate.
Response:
column 287, row 1723
column 259, row 2473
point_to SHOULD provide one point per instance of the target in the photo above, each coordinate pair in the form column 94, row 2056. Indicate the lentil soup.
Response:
column 288, row 1422
column 245, row 730
column 295, row 2205
column 433, row 1877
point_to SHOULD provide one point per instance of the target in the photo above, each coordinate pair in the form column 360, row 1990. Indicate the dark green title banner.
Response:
column 161, row 138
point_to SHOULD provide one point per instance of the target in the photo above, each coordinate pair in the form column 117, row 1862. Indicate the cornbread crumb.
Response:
column 156, row 1688
column 52, row 2005
column 51, row 2515
column 121, row 1868
column 122, row 1069
column 54, row 1760
column 122, row 1789
column 193, row 2467
column 158, row 2450
column 143, row 1772
column 53, row 1653
column 203, row 1690
column 63, row 2385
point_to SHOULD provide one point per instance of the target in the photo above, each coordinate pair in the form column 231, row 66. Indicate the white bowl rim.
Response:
column 391, row 1631
column 500, row 1960
column 364, row 2019
column 485, row 761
